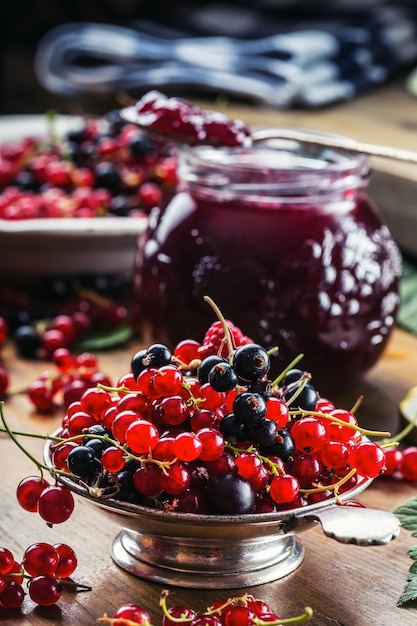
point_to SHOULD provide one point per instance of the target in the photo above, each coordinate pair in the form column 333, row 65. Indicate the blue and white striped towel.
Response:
column 309, row 62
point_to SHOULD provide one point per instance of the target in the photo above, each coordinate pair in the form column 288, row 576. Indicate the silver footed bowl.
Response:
column 230, row 551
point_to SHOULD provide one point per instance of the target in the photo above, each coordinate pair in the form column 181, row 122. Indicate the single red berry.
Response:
column 45, row 590
column 55, row 504
column 40, row 558
column 28, row 492
column 67, row 560
column 133, row 613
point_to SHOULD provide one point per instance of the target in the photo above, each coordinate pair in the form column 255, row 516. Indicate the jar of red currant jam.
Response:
column 283, row 237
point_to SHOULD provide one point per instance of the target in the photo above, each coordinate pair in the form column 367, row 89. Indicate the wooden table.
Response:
column 344, row 584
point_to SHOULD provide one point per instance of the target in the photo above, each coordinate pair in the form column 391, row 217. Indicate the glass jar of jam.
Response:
column 283, row 237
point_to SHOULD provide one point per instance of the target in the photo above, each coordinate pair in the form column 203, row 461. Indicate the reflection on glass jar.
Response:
column 283, row 237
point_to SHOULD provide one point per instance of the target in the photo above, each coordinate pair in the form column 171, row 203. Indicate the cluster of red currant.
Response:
column 46, row 569
column 179, row 119
column 104, row 167
column 401, row 462
column 212, row 435
column 53, row 503
column 73, row 375
column 238, row 611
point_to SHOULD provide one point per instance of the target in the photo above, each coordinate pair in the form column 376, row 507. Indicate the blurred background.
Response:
column 57, row 55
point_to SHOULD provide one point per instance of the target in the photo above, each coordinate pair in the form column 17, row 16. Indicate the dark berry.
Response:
column 229, row 494
column 249, row 408
column 251, row 362
column 27, row 341
column 82, row 462
column 222, row 377
column 141, row 145
column 136, row 364
column 97, row 446
column 232, row 429
column 306, row 399
column 107, row 176
column 157, row 355
column 292, row 376
column 206, row 366
column 263, row 433
column 283, row 447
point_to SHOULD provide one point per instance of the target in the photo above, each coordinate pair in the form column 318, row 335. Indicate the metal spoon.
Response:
column 129, row 114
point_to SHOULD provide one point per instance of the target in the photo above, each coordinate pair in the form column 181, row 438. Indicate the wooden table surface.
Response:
column 346, row 585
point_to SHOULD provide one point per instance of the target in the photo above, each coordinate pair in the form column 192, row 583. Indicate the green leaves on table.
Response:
column 407, row 314
column 407, row 514
column 105, row 339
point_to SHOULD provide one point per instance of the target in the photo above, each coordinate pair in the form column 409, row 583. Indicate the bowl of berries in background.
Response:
column 214, row 464
column 75, row 193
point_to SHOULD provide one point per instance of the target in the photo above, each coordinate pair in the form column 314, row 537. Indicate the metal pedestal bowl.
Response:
column 230, row 551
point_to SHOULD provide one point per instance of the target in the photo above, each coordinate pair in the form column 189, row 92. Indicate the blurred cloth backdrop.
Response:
column 83, row 56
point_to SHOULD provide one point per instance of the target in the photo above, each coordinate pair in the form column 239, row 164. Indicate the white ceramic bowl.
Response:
column 63, row 246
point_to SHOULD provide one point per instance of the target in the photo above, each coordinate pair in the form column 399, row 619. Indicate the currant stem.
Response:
column 120, row 621
column 334, row 487
column 121, row 389
column 226, row 329
column 308, row 613
column 274, row 468
column 65, row 582
column 399, row 436
column 289, row 367
column 163, row 604
column 299, row 386
column 336, row 420
column 226, row 603
column 39, row 465
column 356, row 405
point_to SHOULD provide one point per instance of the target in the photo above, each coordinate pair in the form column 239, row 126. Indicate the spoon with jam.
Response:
column 180, row 121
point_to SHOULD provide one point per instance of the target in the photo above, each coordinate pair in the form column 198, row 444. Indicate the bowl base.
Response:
column 132, row 552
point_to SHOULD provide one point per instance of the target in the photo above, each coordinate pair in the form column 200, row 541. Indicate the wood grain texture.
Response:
column 345, row 584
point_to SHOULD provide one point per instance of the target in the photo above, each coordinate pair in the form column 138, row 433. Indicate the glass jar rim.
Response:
column 294, row 154
column 276, row 167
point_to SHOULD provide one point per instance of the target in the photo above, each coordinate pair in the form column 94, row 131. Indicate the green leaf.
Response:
column 105, row 339
column 410, row 592
column 407, row 314
column 407, row 514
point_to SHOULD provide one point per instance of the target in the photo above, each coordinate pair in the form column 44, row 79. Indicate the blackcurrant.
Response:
column 263, row 387
column 223, row 377
column 292, row 376
column 141, row 144
column 251, row 362
column 229, row 494
column 82, row 462
column 306, row 399
column 97, row 446
column 206, row 366
column 283, row 447
column 27, row 341
column 264, row 432
column 107, row 176
column 232, row 429
column 249, row 408
column 136, row 364
column 157, row 355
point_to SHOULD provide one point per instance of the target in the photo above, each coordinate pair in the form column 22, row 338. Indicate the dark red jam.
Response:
column 180, row 120
column 284, row 239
